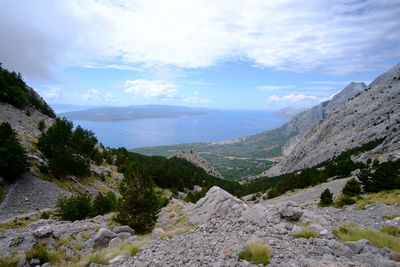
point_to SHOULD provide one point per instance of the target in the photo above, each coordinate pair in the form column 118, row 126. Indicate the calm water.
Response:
column 218, row 126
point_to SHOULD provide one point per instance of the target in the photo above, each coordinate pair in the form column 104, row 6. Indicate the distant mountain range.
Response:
column 288, row 113
column 134, row 113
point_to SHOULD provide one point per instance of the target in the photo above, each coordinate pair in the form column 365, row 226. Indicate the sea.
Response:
column 217, row 126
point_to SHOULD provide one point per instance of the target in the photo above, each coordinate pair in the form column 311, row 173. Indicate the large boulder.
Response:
column 102, row 238
column 158, row 232
column 122, row 229
column 217, row 202
column 290, row 211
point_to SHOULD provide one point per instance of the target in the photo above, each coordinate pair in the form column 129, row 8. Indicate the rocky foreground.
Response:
column 213, row 232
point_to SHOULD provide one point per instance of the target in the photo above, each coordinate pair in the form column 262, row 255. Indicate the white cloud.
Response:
column 95, row 95
column 338, row 37
column 330, row 82
column 296, row 100
column 196, row 99
column 54, row 92
column 151, row 89
column 274, row 87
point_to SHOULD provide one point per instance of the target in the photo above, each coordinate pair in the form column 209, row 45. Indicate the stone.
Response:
column 339, row 249
column 43, row 232
column 358, row 246
column 124, row 228
column 124, row 235
column 118, row 259
column 46, row 265
column 34, row 262
column 132, row 239
column 115, row 242
column 102, row 238
column 157, row 233
column 290, row 211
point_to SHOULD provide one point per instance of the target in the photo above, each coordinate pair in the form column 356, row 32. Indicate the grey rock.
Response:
column 118, row 259
column 34, row 262
column 358, row 246
column 43, row 232
column 156, row 233
column 124, row 235
column 124, row 228
column 132, row 239
column 115, row 242
column 290, row 211
column 339, row 249
column 102, row 238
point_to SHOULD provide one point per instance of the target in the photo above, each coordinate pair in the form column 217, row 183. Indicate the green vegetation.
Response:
column 389, row 197
column 257, row 252
column 344, row 201
column 41, row 125
column 38, row 252
column 390, row 230
column 69, row 152
column 379, row 239
column 340, row 166
column 14, row 91
column 13, row 159
column 10, row 261
column 81, row 207
column 381, row 176
column 390, row 217
column 306, row 233
column 326, row 198
column 138, row 206
column 352, row 188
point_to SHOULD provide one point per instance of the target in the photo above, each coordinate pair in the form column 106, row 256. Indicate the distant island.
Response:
column 135, row 112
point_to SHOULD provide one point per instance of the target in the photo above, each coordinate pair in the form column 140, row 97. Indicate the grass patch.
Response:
column 39, row 252
column 379, row 239
column 390, row 217
column 2, row 189
column 17, row 223
column 86, row 234
column 389, row 197
column 257, row 252
column 11, row 261
column 390, row 230
column 103, row 256
column 306, row 233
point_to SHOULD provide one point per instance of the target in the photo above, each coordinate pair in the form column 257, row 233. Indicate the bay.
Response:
column 217, row 126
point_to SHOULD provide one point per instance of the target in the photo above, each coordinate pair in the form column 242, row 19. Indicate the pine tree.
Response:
column 326, row 198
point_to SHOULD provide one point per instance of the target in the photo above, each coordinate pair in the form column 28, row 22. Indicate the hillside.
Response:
column 134, row 113
column 372, row 114
column 251, row 155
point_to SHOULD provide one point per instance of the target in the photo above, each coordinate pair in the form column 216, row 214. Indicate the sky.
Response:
column 242, row 54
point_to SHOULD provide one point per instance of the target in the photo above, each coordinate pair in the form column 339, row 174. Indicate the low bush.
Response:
column 352, row 188
column 103, row 204
column 306, row 233
column 344, row 201
column 74, row 208
column 257, row 252
column 326, row 198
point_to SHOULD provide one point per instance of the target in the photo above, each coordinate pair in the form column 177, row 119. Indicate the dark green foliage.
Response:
column 384, row 176
column 175, row 172
column 13, row 160
column 41, row 254
column 13, row 90
column 41, row 125
column 352, row 188
column 340, row 166
column 344, row 201
column 74, row 208
column 68, row 151
column 138, row 205
column 45, row 215
column 103, row 204
column 326, row 198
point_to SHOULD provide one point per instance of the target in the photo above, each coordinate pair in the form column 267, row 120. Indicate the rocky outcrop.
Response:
column 373, row 113
column 197, row 160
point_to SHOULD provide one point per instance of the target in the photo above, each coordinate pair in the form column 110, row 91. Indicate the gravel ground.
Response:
column 28, row 194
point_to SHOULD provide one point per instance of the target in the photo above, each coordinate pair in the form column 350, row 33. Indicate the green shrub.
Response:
column 138, row 205
column 74, row 208
column 13, row 159
column 352, row 188
column 326, row 198
column 257, row 252
column 41, row 125
column 103, row 204
column 344, row 201
column 38, row 252
column 45, row 215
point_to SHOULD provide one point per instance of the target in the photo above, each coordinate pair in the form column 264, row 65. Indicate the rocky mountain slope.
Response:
column 197, row 160
column 373, row 113
column 288, row 113
column 210, row 233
